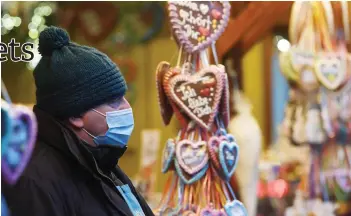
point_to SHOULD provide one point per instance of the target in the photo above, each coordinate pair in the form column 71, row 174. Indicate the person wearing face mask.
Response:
column 84, row 124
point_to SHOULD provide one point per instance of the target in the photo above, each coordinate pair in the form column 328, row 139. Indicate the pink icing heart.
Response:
column 187, row 17
column 192, row 156
column 185, row 91
column 20, row 144
column 216, row 14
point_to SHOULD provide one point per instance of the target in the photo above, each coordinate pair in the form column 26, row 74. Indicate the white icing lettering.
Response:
column 200, row 106
column 188, row 4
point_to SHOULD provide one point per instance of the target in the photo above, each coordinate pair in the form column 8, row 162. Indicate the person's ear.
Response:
column 76, row 122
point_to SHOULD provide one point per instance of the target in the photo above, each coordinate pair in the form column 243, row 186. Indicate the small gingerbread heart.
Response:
column 228, row 157
column 192, row 156
column 6, row 126
column 20, row 144
column 330, row 69
column 168, row 155
column 235, row 208
column 190, row 179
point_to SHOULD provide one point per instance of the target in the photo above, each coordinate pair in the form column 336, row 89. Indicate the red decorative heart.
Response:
column 96, row 19
column 216, row 14
column 203, row 31
column 185, row 91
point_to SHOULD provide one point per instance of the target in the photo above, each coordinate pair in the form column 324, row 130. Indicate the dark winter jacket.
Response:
column 63, row 179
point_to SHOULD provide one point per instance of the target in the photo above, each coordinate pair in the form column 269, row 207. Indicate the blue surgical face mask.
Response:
column 120, row 126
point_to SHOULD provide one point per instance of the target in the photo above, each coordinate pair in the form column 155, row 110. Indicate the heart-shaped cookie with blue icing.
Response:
column 20, row 144
column 235, row 208
column 189, row 179
column 6, row 126
column 168, row 155
column 331, row 70
column 228, row 157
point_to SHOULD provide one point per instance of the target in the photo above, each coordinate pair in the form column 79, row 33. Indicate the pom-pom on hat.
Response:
column 72, row 79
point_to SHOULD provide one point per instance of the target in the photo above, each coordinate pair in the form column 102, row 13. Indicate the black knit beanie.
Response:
column 72, row 79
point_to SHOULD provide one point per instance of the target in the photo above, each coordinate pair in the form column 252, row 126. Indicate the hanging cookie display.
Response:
column 203, row 157
column 319, row 74
column 18, row 136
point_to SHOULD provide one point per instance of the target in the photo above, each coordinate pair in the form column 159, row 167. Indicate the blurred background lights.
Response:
column 36, row 19
column 32, row 64
column 32, row 26
column 18, row 21
column 33, row 33
column 283, row 45
column 8, row 22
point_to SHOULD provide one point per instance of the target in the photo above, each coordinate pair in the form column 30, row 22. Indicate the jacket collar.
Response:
column 57, row 135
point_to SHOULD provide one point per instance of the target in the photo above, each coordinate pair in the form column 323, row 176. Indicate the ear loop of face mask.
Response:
column 98, row 112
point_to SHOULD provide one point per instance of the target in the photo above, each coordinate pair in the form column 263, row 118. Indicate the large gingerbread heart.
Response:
column 20, row 144
column 330, row 69
column 198, row 94
column 192, row 156
column 228, row 157
column 197, row 25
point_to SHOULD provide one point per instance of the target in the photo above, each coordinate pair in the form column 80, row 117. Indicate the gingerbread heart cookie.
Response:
column 198, row 94
column 198, row 24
